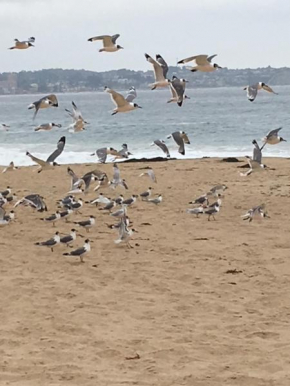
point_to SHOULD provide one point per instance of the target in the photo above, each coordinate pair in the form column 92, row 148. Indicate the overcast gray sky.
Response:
column 244, row 33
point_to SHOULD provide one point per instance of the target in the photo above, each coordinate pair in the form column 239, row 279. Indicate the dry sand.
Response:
column 169, row 299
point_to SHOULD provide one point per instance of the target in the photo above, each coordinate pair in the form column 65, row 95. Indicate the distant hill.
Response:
column 58, row 80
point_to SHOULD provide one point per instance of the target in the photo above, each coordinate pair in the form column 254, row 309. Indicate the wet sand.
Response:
column 201, row 302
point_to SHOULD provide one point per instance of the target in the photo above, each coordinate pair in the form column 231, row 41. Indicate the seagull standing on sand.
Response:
column 255, row 163
column 44, row 103
column 50, row 162
column 161, row 144
column 211, row 211
column 109, row 43
column 156, row 200
column 145, row 195
column 51, row 243
column 87, row 224
column 10, row 168
column 53, row 218
column 180, row 137
column 46, row 126
column 272, row 138
column 197, row 211
column 23, row 45
column 69, row 239
column 160, row 69
column 201, row 63
column 80, row 252
column 122, row 105
column 252, row 91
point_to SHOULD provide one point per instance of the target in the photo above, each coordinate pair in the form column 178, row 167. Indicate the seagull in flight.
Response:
column 177, row 88
column 201, row 63
column 272, row 138
column 47, row 126
column 50, row 162
column 180, row 137
column 23, row 45
column 109, row 43
column 78, row 123
column 33, row 200
column 122, row 104
column 160, row 69
column 44, row 103
column 161, row 144
column 252, row 91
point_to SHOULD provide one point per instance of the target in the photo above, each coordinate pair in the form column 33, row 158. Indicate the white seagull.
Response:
column 109, row 43
column 201, row 63
column 122, row 105
column 160, row 69
column 252, row 90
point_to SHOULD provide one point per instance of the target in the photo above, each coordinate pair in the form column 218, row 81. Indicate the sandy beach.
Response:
column 195, row 302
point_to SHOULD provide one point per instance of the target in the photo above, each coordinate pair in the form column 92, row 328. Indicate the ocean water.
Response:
column 219, row 122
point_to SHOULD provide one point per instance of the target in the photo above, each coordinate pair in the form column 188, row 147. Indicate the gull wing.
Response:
column 199, row 59
column 107, row 39
column 210, row 58
column 177, row 138
column 78, row 252
column 114, row 38
column 257, row 153
column 36, row 160
column 252, row 92
column 117, row 98
column 162, row 146
column 76, row 181
column 273, row 133
column 179, row 90
column 116, row 173
column 102, row 154
column 163, row 64
column 268, row 88
column 131, row 95
column 58, row 151
column 157, row 68
column 2, row 214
